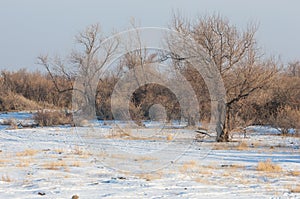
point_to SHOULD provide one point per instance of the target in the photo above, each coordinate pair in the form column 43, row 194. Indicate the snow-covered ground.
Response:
column 102, row 162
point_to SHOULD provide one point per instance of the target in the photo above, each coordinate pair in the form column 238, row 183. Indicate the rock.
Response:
column 75, row 197
column 41, row 193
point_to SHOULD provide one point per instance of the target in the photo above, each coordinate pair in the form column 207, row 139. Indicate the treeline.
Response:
column 258, row 89
column 278, row 104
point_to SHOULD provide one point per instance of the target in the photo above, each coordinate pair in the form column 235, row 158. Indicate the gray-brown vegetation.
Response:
column 259, row 90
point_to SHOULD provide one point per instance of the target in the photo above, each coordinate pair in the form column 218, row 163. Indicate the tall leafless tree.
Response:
column 234, row 53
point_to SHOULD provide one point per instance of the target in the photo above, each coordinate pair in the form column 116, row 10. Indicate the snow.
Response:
column 95, row 162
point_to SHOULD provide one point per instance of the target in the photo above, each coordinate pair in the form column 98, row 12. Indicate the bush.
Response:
column 52, row 118
column 14, row 102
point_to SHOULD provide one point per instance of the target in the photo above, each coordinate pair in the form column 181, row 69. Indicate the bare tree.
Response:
column 83, row 65
column 234, row 53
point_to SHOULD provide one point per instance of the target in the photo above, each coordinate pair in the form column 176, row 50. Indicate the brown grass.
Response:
column 221, row 146
column 150, row 176
column 55, row 165
column 80, row 151
column 143, row 158
column 268, row 166
column 6, row 178
column 242, row 146
column 75, row 164
column 295, row 173
column 296, row 189
column 59, row 151
column 2, row 161
column 24, row 163
column 27, row 152
column 170, row 137
column 188, row 166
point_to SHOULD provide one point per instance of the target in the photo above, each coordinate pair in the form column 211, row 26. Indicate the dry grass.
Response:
column 295, row 189
column 188, row 166
column 6, row 178
column 145, row 158
column 295, row 173
column 128, row 134
column 268, row 166
column 24, row 163
column 221, row 146
column 2, row 161
column 202, row 180
column 119, row 134
column 150, row 176
column 52, row 118
column 27, row 152
column 242, row 146
column 170, row 137
column 81, row 152
column 55, row 165
column 59, row 151
column 75, row 164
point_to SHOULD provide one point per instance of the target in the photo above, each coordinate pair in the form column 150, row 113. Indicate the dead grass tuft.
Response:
column 295, row 173
column 221, row 146
column 27, row 152
column 169, row 137
column 188, row 166
column 242, row 146
column 296, row 189
column 55, row 165
column 24, row 163
column 150, row 176
column 75, row 164
column 6, row 178
column 268, row 166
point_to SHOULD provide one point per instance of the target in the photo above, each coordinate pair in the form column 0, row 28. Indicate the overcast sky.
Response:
column 29, row 28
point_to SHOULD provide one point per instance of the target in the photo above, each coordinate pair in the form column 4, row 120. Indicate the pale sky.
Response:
column 29, row 28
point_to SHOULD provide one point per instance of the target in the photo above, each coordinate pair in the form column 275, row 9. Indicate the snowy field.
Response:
column 101, row 162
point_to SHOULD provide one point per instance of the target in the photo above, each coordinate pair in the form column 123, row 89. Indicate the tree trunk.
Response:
column 224, row 134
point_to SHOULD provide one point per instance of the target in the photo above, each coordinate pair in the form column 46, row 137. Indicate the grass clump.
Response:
column 296, row 189
column 27, row 152
column 57, row 165
column 6, row 178
column 268, row 166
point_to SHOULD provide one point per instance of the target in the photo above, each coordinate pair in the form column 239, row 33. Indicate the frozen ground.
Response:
column 102, row 162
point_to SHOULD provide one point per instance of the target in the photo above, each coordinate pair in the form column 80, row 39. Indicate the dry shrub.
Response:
column 287, row 117
column 268, row 166
column 15, row 102
column 52, row 118
column 170, row 137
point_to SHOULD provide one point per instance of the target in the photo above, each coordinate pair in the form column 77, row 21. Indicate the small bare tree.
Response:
column 83, row 65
